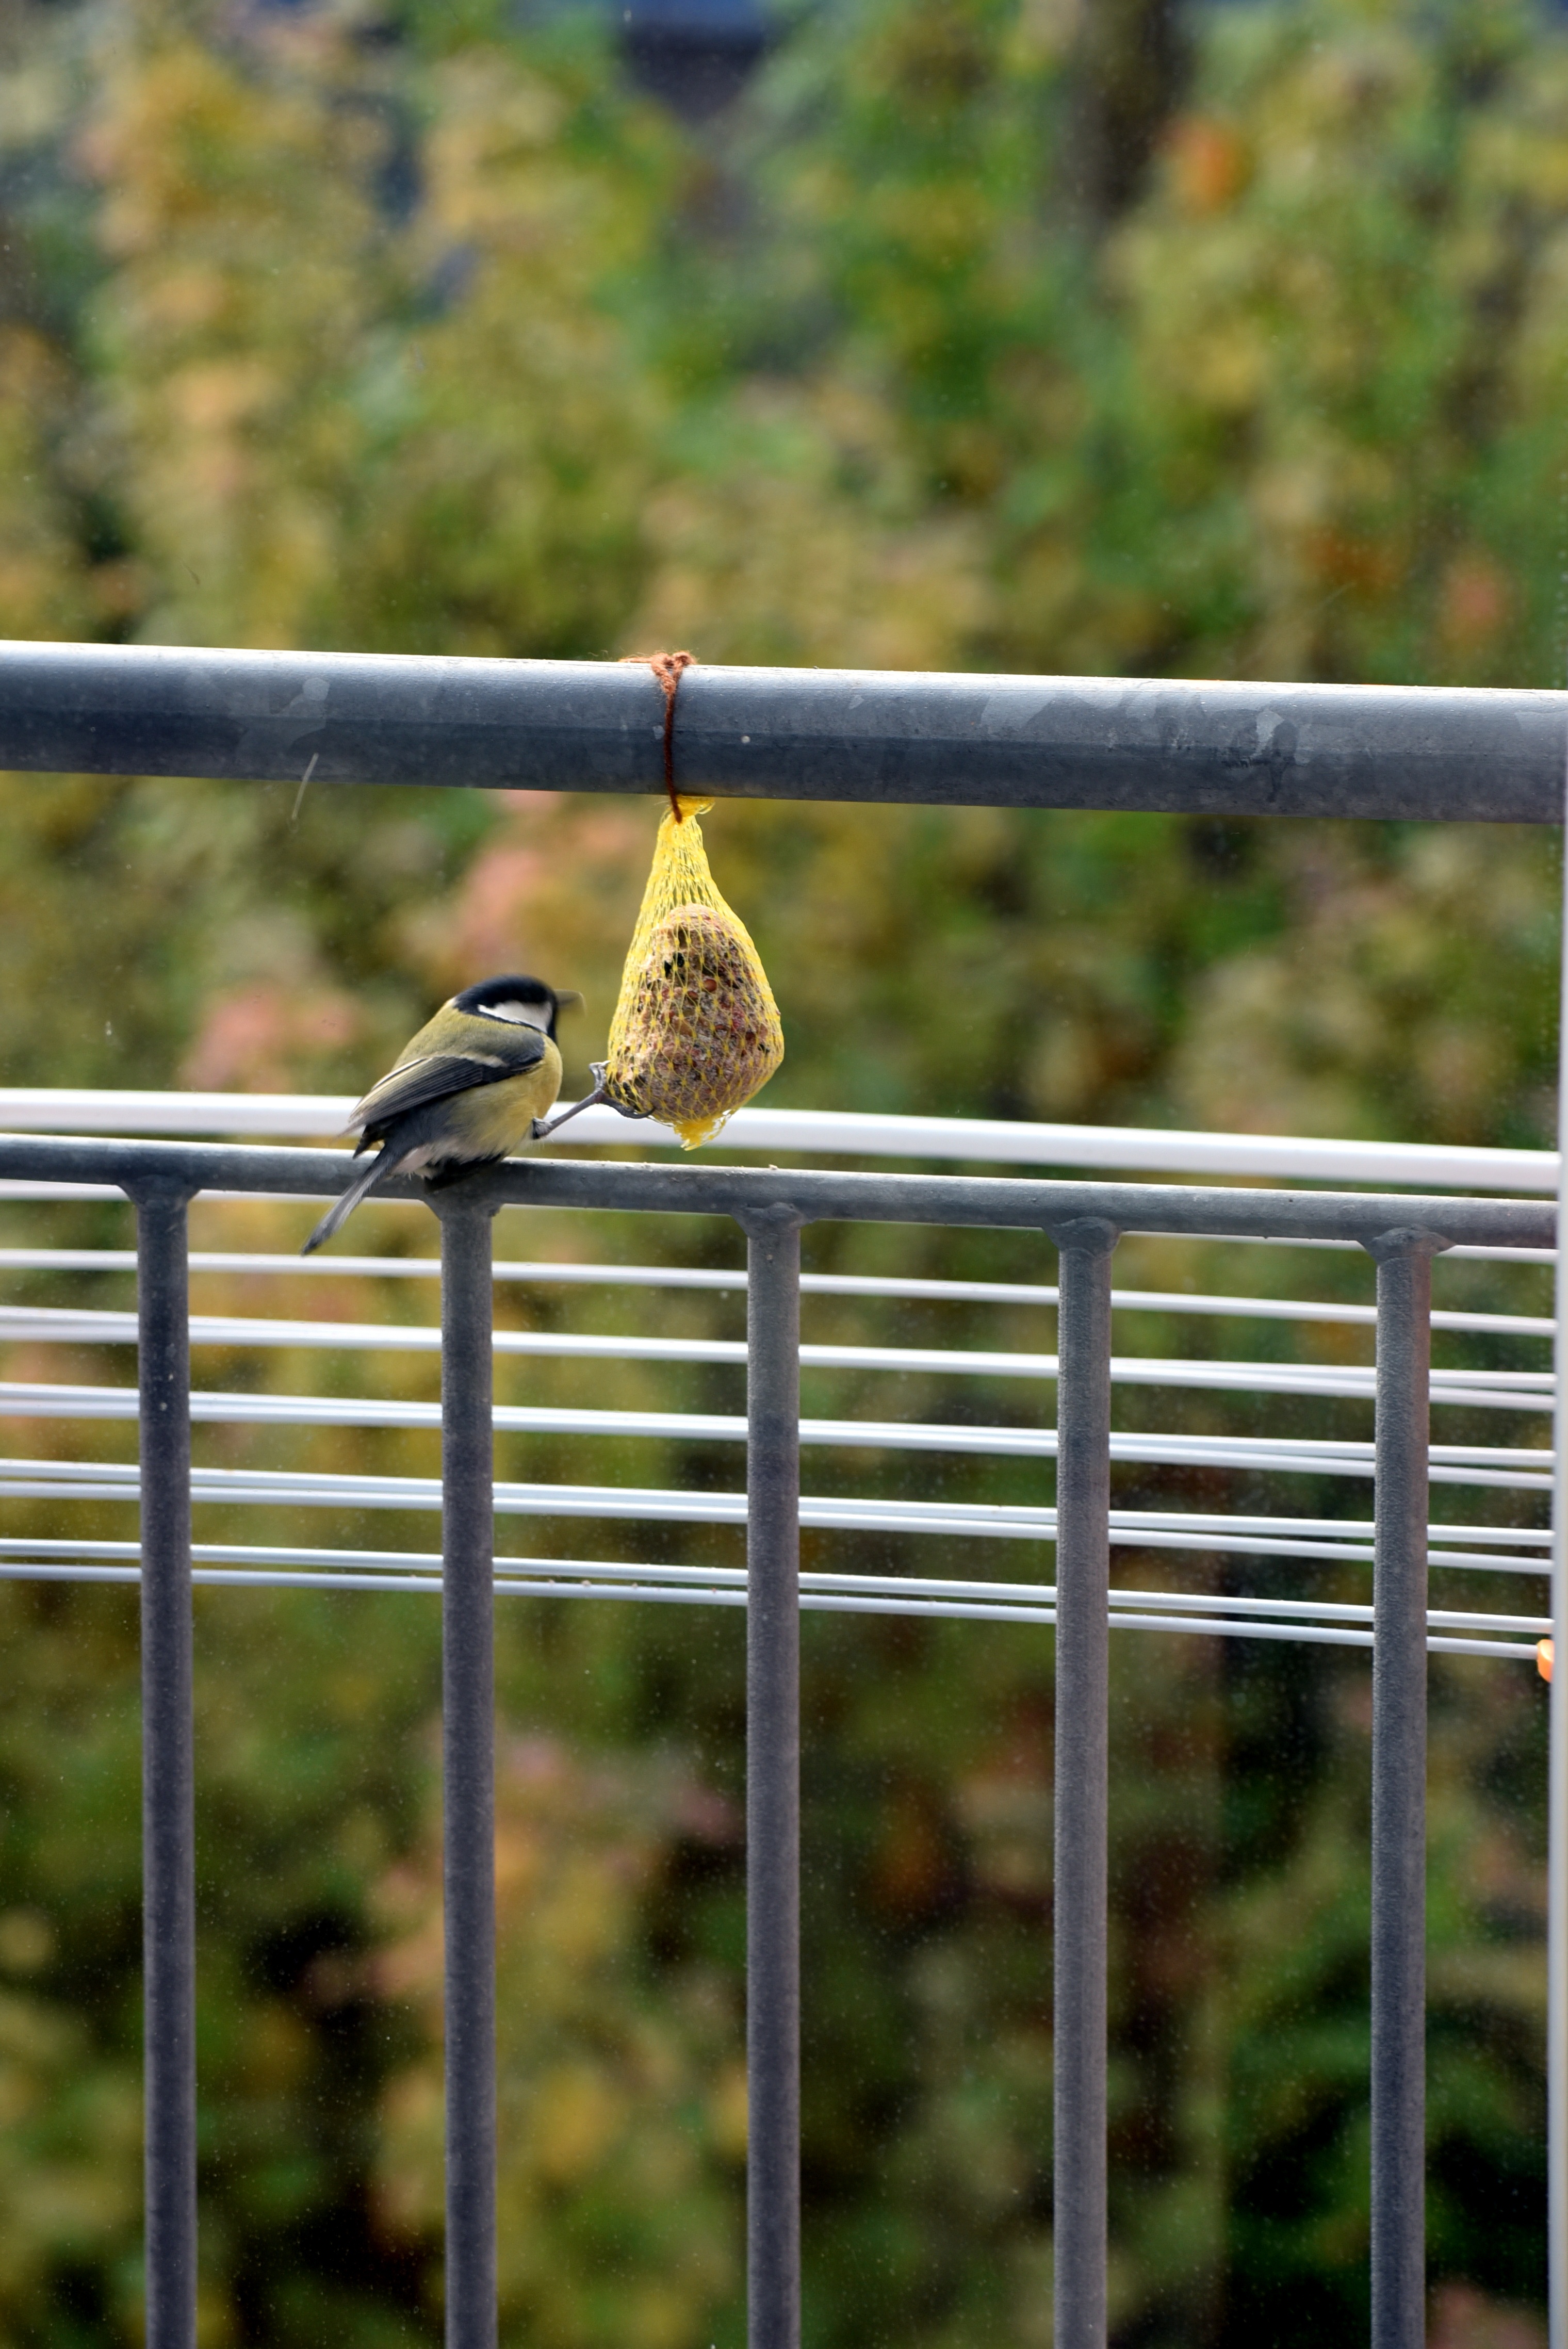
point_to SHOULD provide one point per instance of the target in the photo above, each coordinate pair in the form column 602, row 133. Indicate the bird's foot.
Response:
column 599, row 1070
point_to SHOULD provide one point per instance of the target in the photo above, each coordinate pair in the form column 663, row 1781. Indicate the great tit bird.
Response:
column 470, row 1087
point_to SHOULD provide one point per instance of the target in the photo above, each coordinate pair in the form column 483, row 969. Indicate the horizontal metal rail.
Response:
column 1511, row 1468
column 882, row 736
column 828, row 1133
column 256, row 1566
column 1332, row 1540
column 1326, row 1540
column 985, row 1202
column 1486, row 1390
column 328, row 1489
column 1335, row 1538
column 12, row 1187
column 543, row 1273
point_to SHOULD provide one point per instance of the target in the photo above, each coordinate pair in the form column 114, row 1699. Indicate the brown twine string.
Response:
column 669, row 668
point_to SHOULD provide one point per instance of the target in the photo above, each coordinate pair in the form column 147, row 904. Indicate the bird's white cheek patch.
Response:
column 518, row 1015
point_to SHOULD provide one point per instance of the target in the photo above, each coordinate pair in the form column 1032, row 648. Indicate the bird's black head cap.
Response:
column 515, row 996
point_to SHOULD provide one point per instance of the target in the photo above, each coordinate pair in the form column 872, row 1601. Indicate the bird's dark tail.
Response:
column 384, row 1163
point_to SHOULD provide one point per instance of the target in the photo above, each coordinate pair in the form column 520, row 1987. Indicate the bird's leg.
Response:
column 543, row 1128
column 600, row 1094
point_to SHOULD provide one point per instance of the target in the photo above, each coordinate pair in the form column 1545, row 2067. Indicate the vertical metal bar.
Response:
column 773, row 1781
column 1557, row 1763
column 467, row 1749
column 1082, row 1776
column 1399, row 1791
column 168, row 1771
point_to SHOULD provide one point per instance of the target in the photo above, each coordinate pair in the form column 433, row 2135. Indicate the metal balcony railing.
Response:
column 1084, row 1220
column 1228, row 750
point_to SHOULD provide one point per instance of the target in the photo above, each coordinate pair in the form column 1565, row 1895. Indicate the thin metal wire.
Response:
column 1310, row 1455
column 540, row 1581
column 1132, row 1532
column 545, row 1273
column 1485, row 1390
column 1349, row 1537
column 18, row 1554
column 735, row 1578
column 1130, row 1529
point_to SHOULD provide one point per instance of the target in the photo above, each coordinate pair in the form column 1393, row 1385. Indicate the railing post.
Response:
column 773, row 1779
column 468, row 1753
column 1403, row 1435
column 1082, row 1776
column 168, row 1769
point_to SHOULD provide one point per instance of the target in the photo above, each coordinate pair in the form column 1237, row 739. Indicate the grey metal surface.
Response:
column 814, row 734
column 468, row 1752
column 773, row 1782
column 1399, row 1793
column 167, row 1774
column 1004, row 1202
column 1082, row 1782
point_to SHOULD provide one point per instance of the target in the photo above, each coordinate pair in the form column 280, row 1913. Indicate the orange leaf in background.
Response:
column 1474, row 602
column 1208, row 163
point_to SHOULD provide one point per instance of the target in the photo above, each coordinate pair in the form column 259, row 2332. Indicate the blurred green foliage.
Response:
column 984, row 333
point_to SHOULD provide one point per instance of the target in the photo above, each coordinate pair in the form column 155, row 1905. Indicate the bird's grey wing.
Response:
column 415, row 1083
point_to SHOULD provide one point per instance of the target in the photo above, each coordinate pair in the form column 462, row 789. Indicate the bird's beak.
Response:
column 567, row 998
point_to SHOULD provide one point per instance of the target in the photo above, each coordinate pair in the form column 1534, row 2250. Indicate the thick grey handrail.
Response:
column 886, row 736
column 1014, row 1203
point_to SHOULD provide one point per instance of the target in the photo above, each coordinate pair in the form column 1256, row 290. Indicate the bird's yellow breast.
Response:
column 493, row 1121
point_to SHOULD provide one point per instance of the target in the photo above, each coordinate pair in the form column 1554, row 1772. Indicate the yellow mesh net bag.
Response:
column 696, row 1031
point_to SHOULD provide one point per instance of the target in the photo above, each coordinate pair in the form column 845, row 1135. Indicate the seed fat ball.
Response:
column 696, row 1031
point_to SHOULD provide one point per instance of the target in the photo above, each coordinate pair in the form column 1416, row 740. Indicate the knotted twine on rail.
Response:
column 669, row 668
